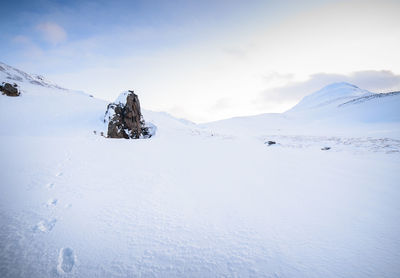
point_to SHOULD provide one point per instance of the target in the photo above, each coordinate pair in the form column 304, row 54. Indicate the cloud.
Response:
column 376, row 81
column 277, row 79
column 288, row 95
column 52, row 32
column 221, row 104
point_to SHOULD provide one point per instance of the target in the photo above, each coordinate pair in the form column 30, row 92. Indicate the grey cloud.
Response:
column 376, row 81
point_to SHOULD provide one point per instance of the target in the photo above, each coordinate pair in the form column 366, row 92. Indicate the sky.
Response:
column 205, row 60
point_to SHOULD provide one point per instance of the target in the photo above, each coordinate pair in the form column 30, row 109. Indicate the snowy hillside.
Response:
column 339, row 109
column 47, row 109
column 343, row 103
column 208, row 200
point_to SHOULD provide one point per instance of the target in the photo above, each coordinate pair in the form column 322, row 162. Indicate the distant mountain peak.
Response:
column 339, row 85
column 332, row 94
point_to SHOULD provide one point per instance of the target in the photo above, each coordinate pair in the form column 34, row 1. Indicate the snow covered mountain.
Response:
column 346, row 102
column 331, row 95
column 208, row 200
column 337, row 109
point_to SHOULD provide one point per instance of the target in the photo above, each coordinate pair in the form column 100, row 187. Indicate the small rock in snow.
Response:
column 9, row 90
column 269, row 143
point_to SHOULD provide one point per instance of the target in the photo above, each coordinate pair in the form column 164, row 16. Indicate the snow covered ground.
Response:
column 207, row 200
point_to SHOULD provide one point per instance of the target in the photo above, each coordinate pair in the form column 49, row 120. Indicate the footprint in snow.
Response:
column 45, row 225
column 59, row 174
column 66, row 260
column 50, row 185
column 51, row 202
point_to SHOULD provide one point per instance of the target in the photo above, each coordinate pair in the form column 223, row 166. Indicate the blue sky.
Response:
column 205, row 60
column 127, row 27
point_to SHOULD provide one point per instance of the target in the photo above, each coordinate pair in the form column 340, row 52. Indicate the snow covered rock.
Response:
column 9, row 90
column 125, row 119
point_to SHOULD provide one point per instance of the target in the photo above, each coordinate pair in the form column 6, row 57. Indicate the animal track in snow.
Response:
column 66, row 260
column 45, row 225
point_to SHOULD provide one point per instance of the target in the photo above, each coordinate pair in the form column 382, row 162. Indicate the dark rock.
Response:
column 9, row 90
column 325, row 148
column 125, row 119
column 269, row 143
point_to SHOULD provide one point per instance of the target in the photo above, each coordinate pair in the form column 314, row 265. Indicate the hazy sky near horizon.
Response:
column 205, row 60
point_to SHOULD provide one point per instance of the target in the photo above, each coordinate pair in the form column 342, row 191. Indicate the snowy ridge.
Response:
column 11, row 74
column 370, row 97
column 332, row 94
column 334, row 105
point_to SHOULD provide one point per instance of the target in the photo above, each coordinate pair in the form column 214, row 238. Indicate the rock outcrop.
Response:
column 9, row 90
column 125, row 119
